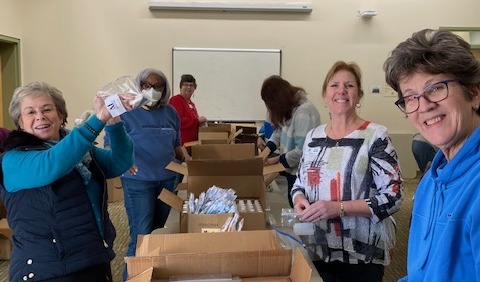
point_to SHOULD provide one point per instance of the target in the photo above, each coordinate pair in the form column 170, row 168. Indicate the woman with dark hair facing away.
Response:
column 348, row 186
column 54, row 187
column 292, row 116
column 437, row 78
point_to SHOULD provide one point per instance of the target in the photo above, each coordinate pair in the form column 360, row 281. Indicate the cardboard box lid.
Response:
column 255, row 240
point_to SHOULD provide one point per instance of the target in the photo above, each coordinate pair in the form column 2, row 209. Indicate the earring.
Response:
column 475, row 108
column 358, row 105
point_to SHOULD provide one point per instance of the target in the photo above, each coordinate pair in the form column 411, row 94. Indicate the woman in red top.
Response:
column 190, row 121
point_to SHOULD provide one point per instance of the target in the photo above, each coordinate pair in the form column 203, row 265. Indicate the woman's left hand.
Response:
column 321, row 210
column 272, row 160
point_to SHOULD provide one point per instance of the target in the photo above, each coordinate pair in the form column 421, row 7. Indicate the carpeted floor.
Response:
column 394, row 271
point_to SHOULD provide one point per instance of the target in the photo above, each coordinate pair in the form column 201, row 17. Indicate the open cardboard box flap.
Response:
column 247, row 254
column 247, row 266
column 201, row 166
column 245, row 176
column 255, row 240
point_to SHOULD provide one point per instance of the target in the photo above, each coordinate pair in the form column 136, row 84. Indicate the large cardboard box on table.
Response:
column 216, row 133
column 218, row 152
column 250, row 255
column 245, row 176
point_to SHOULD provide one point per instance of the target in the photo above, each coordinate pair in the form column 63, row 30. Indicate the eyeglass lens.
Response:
column 188, row 84
column 433, row 93
column 157, row 87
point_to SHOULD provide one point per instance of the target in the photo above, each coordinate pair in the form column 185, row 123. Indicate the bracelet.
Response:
column 90, row 128
column 342, row 210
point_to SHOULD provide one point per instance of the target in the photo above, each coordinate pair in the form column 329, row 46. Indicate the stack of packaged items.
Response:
column 216, row 201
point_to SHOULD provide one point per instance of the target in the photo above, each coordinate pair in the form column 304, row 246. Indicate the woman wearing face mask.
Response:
column 155, row 130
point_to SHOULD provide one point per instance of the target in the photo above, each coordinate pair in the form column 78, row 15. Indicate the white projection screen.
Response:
column 229, row 80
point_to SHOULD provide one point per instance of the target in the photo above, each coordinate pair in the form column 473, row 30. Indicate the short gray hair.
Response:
column 143, row 75
column 35, row 89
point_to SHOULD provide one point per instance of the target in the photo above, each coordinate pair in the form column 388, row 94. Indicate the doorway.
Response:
column 9, row 75
column 476, row 53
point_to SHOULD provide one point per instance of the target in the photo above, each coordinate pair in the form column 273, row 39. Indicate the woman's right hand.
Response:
column 202, row 121
column 101, row 110
column 133, row 170
column 300, row 203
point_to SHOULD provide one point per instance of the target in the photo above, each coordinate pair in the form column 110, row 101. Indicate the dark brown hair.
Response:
column 280, row 98
column 187, row 78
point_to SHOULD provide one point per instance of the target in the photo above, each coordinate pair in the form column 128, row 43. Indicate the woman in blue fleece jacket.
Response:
column 53, row 187
column 438, row 83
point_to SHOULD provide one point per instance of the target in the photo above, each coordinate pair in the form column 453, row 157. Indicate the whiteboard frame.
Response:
column 176, row 80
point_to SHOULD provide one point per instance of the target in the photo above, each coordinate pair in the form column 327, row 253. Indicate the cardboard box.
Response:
column 204, row 223
column 3, row 211
column 222, row 151
column 216, row 133
column 5, row 244
column 115, row 190
column 254, row 256
column 219, row 133
column 5, row 229
column 248, row 133
column 5, row 248
column 245, row 176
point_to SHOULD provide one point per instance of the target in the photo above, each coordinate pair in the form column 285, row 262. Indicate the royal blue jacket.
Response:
column 444, row 241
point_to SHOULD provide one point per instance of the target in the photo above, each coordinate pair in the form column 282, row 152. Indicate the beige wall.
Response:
column 79, row 46
column 10, row 18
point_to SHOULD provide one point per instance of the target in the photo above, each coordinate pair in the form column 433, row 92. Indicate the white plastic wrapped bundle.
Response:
column 124, row 87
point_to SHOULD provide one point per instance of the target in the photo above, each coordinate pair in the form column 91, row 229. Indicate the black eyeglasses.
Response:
column 433, row 93
column 186, row 84
column 147, row 86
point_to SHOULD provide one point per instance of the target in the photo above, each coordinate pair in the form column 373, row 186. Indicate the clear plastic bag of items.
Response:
column 216, row 200
column 124, row 88
column 288, row 217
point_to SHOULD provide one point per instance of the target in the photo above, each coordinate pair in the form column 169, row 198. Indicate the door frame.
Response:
column 10, row 75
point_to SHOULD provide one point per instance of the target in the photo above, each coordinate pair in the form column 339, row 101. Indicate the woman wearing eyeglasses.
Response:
column 155, row 130
column 348, row 185
column 189, row 117
column 438, row 83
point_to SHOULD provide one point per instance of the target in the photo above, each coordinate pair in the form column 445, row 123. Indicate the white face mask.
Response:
column 152, row 96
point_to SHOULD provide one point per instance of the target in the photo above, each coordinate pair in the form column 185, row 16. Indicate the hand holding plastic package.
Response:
column 124, row 95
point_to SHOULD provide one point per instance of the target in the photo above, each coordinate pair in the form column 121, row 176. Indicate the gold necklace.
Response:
column 346, row 133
